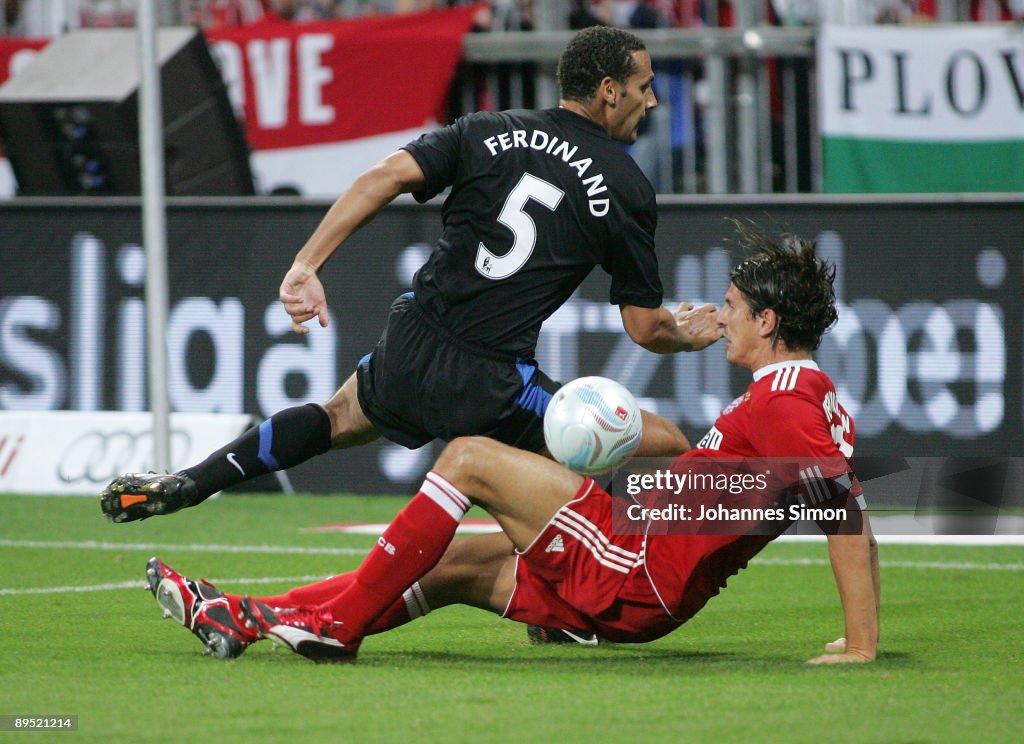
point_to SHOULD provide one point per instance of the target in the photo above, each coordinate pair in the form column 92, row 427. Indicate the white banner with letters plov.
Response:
column 79, row 452
column 922, row 108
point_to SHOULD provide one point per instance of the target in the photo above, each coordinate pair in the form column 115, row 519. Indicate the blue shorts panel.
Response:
column 421, row 384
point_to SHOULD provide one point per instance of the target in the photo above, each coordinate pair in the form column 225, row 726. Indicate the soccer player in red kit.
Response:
column 559, row 561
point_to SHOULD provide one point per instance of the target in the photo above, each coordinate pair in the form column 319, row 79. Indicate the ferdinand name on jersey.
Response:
column 543, row 142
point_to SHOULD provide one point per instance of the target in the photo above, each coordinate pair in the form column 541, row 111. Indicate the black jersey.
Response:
column 538, row 199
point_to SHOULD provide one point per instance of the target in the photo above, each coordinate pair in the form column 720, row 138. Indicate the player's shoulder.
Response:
column 608, row 155
column 557, row 136
column 788, row 383
column 500, row 119
column 509, row 120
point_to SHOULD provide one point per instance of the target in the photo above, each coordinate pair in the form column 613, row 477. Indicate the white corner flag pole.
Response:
column 154, row 229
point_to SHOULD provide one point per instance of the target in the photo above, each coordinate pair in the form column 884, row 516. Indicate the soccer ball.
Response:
column 592, row 424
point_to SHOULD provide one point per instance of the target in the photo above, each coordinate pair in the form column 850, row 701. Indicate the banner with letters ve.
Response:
column 922, row 109
column 322, row 102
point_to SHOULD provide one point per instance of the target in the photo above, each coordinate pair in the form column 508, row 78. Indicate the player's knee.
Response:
column 461, row 457
column 465, row 461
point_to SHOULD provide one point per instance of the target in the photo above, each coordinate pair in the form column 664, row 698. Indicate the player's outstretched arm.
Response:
column 656, row 329
column 854, row 561
column 301, row 292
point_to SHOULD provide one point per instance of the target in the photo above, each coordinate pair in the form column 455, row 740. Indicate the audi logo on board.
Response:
column 100, row 456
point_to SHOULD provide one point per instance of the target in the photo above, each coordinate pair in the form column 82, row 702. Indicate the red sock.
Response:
column 411, row 545
column 411, row 606
column 317, row 593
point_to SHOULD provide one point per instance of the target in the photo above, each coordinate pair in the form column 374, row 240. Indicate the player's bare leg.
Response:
column 661, row 438
column 478, row 571
column 522, row 490
column 349, row 425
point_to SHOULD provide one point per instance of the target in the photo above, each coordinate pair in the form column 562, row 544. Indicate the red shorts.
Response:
column 577, row 575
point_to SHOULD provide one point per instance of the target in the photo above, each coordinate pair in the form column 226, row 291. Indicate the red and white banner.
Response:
column 321, row 102
column 15, row 53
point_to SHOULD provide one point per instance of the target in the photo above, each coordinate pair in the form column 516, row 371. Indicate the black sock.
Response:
column 287, row 438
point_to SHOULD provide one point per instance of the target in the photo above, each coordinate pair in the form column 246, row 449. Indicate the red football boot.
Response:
column 308, row 631
column 201, row 608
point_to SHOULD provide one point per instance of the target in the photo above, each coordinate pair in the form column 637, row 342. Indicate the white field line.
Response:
column 165, row 547
column 140, row 584
column 980, row 541
column 940, row 565
column 91, row 545
column 951, row 540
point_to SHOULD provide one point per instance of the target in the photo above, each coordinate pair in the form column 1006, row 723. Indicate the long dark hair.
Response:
column 784, row 274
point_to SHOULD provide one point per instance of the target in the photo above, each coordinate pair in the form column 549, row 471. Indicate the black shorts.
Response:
column 422, row 383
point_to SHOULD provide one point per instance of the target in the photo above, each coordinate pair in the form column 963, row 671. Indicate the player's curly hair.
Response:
column 592, row 54
column 784, row 274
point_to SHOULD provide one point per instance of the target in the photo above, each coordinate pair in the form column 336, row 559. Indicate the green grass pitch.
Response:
column 75, row 639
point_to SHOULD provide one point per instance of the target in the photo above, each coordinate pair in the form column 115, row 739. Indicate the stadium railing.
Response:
column 736, row 106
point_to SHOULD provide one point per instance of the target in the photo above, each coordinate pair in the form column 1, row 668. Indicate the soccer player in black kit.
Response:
column 538, row 199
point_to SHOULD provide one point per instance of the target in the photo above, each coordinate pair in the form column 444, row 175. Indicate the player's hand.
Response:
column 303, row 297
column 848, row 657
column 698, row 324
column 837, row 654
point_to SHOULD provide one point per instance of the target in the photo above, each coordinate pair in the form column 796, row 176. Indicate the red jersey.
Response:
column 789, row 411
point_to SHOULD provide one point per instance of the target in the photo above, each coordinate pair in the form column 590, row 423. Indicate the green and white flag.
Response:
column 922, row 109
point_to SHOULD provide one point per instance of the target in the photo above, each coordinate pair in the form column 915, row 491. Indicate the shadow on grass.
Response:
column 590, row 660
column 604, row 658
column 577, row 655
column 898, row 659
column 608, row 659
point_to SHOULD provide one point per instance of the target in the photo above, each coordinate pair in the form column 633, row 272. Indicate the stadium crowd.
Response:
column 51, row 17
column 674, row 148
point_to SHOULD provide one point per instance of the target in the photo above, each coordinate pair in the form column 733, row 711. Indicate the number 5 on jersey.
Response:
column 524, row 231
